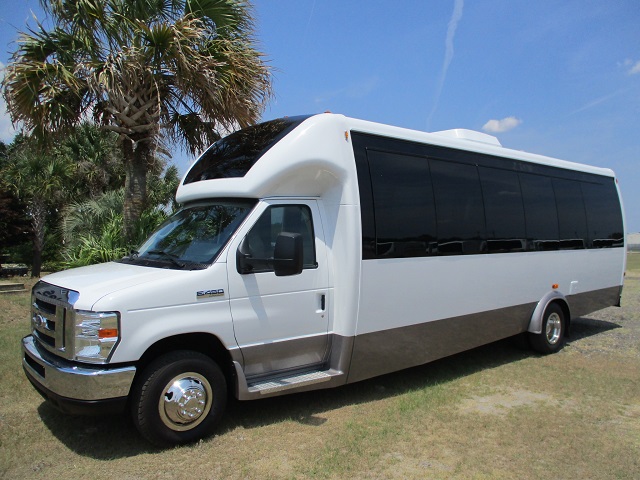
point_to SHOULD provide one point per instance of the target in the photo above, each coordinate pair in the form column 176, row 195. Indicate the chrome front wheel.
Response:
column 179, row 398
column 186, row 401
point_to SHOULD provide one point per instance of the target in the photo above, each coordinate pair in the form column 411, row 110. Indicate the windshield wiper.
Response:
column 168, row 256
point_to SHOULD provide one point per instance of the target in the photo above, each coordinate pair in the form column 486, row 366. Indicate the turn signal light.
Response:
column 107, row 332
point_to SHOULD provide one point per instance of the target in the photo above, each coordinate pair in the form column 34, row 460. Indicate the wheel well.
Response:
column 204, row 343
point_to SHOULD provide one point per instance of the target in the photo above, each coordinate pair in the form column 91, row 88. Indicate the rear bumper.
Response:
column 73, row 388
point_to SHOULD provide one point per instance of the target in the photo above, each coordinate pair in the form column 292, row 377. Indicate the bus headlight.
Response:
column 96, row 335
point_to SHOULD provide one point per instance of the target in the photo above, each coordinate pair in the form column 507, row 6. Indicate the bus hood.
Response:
column 96, row 281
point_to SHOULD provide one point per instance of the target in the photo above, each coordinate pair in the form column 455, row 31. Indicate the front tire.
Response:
column 551, row 338
column 179, row 398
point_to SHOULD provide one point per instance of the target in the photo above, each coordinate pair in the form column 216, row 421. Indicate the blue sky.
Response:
column 556, row 78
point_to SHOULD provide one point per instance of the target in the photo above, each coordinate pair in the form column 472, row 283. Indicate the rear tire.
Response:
column 551, row 338
column 179, row 398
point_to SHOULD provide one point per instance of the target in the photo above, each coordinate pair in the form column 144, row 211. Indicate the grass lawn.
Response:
column 633, row 262
column 498, row 411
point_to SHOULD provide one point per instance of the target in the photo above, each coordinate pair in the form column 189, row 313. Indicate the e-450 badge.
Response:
column 209, row 293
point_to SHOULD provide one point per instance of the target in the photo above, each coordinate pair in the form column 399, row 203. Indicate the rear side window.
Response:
column 604, row 216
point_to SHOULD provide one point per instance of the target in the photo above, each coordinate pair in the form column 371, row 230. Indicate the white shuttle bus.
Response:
column 312, row 252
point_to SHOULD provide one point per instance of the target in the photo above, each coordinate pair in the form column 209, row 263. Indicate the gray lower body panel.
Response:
column 352, row 359
column 283, row 355
column 584, row 303
column 386, row 351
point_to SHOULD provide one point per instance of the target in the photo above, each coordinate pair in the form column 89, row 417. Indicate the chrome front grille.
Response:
column 51, row 308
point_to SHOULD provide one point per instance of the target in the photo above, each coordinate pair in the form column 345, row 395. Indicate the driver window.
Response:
column 261, row 239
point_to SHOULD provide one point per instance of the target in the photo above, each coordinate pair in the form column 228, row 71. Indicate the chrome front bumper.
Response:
column 56, row 377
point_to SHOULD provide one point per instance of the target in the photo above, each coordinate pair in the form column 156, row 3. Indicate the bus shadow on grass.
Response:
column 114, row 437
column 583, row 327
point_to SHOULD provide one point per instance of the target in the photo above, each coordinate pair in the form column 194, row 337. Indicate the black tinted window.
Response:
column 404, row 209
column 541, row 216
column 482, row 203
column 459, row 209
column 260, row 242
column 235, row 154
column 504, row 210
column 604, row 217
column 571, row 215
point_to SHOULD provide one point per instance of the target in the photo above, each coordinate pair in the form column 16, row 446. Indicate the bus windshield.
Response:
column 192, row 238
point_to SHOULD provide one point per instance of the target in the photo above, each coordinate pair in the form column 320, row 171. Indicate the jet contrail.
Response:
column 448, row 55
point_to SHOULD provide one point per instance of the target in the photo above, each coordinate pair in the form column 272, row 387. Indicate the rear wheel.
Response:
column 179, row 398
column 551, row 338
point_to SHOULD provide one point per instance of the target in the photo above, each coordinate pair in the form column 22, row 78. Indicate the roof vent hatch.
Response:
column 472, row 135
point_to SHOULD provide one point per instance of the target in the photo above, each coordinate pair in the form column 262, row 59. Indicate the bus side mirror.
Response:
column 287, row 256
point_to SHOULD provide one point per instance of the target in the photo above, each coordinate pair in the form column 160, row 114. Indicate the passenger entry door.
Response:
column 280, row 322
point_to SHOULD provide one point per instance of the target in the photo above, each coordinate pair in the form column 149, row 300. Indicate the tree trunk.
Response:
column 135, row 186
column 38, row 221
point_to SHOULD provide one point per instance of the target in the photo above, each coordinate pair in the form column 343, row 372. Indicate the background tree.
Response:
column 92, row 228
column 14, row 224
column 154, row 72
column 41, row 183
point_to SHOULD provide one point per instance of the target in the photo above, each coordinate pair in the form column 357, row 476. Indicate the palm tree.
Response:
column 155, row 72
column 40, row 181
column 98, row 159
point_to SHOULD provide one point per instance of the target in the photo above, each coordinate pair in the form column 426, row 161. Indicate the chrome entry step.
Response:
column 271, row 385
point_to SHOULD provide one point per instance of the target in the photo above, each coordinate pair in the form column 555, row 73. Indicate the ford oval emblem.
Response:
column 39, row 321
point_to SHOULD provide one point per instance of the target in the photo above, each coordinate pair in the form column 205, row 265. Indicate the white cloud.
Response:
column 7, row 132
column 632, row 66
column 501, row 126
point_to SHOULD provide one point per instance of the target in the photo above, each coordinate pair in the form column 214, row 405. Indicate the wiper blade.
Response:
column 132, row 255
column 169, row 256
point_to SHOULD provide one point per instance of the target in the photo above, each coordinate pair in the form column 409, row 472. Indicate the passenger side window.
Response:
column 403, row 198
column 541, row 215
column 571, row 214
column 504, row 210
column 459, row 208
column 260, row 242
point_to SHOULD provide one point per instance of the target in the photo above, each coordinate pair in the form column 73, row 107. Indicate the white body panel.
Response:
column 168, row 307
column 402, row 292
